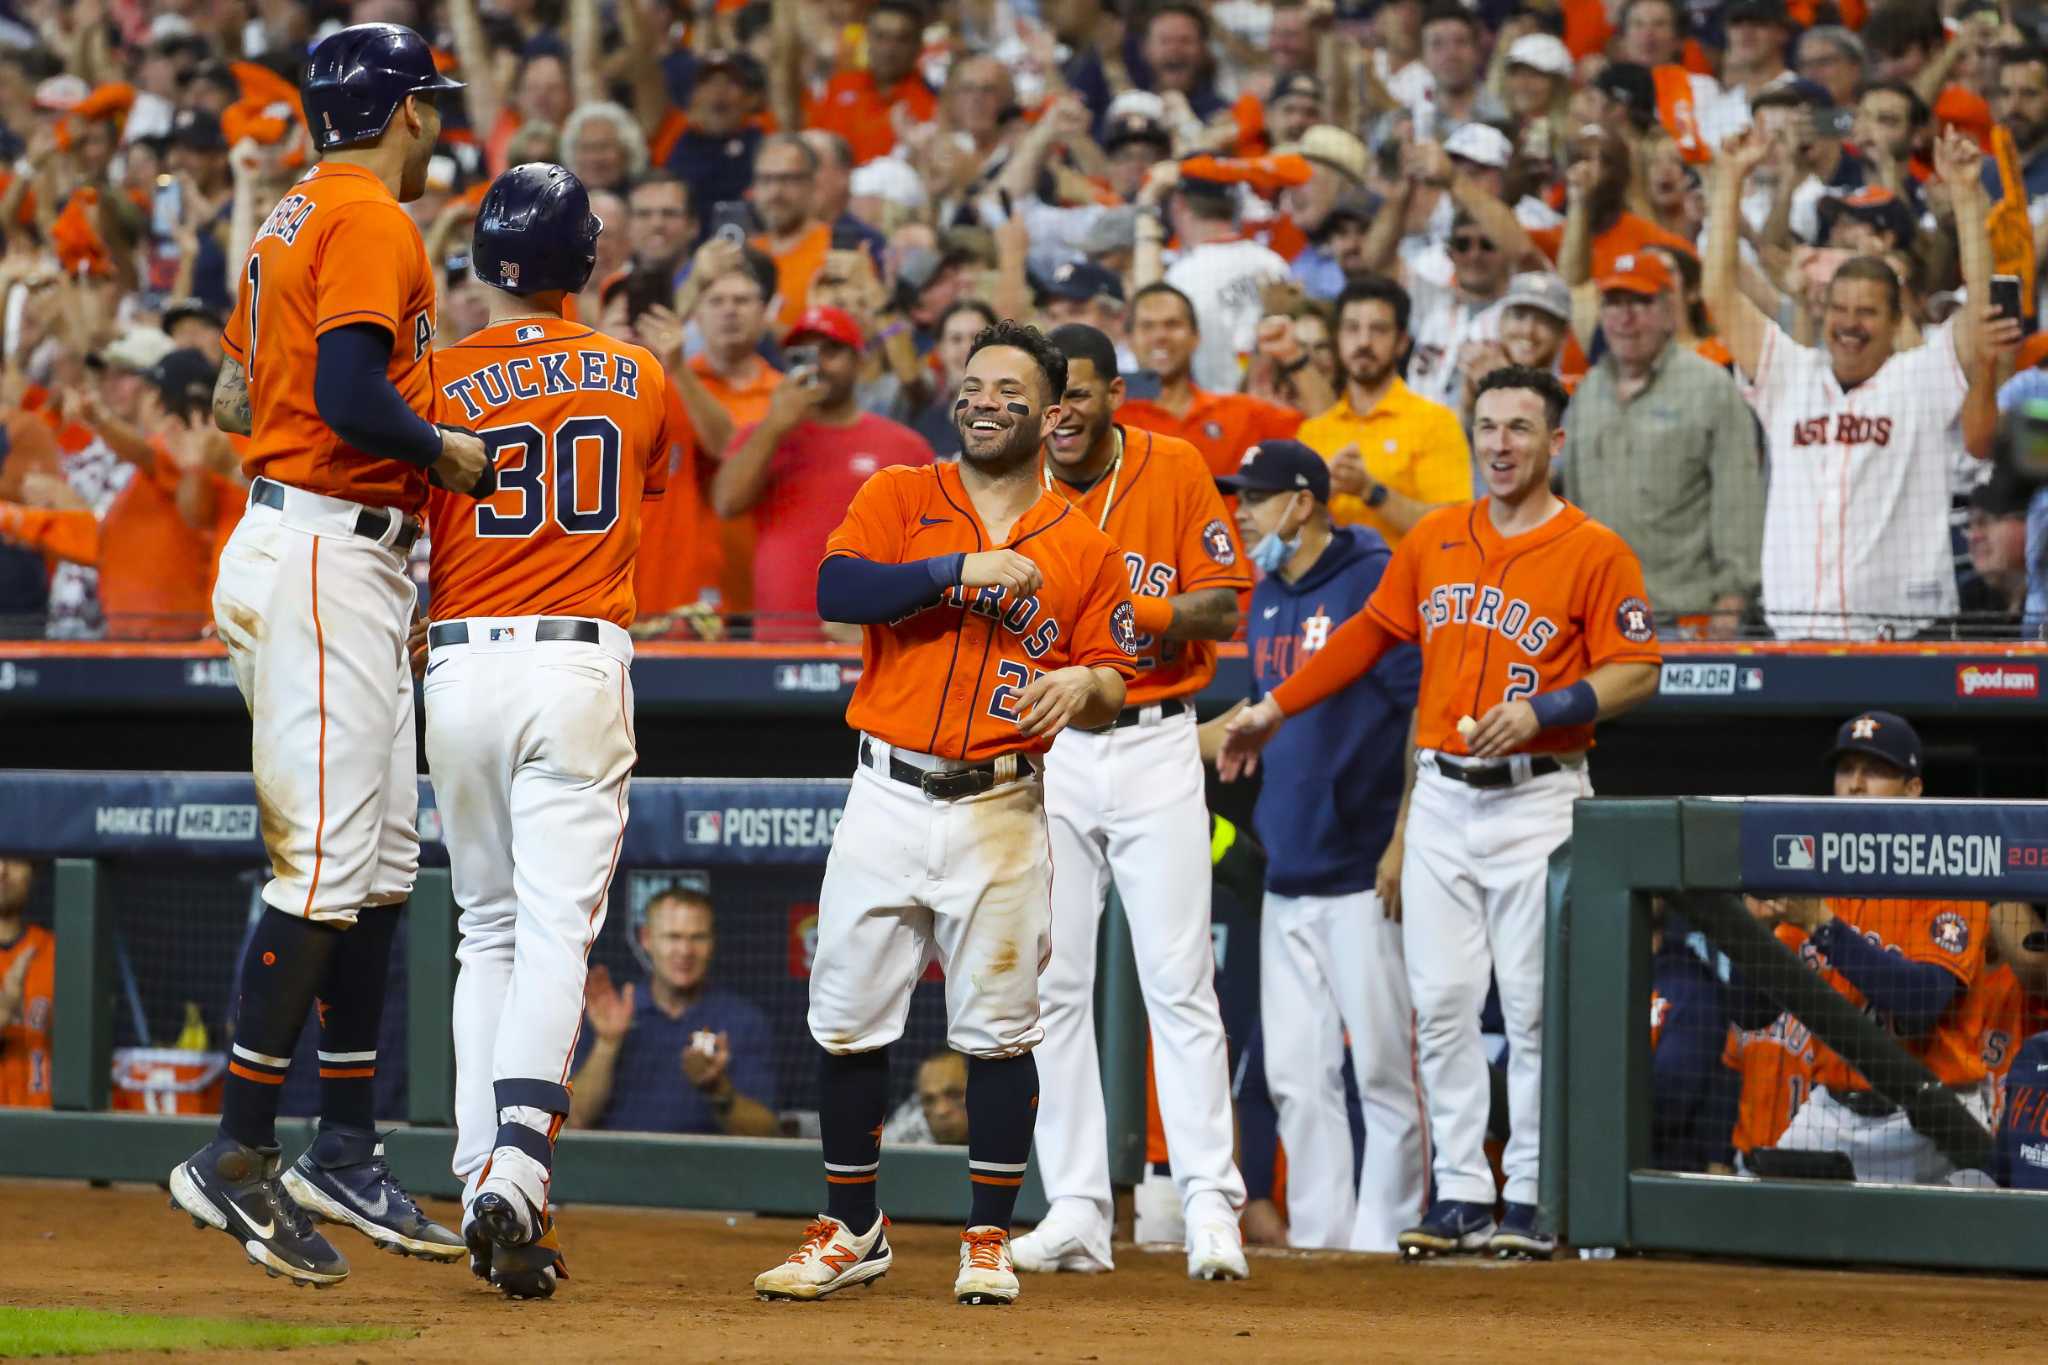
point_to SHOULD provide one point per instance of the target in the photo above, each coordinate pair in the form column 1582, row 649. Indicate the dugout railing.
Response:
column 1599, row 1189
column 93, row 825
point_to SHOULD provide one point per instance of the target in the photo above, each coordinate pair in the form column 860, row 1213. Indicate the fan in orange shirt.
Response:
column 1220, row 425
column 1599, row 175
column 28, row 973
column 860, row 106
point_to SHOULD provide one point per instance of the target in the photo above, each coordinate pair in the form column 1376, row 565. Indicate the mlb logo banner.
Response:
column 1792, row 852
column 704, row 827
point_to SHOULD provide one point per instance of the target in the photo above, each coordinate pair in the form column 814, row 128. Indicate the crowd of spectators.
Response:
column 1290, row 218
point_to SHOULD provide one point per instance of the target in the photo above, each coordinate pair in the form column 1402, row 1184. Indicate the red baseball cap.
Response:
column 1639, row 272
column 1965, row 109
column 829, row 323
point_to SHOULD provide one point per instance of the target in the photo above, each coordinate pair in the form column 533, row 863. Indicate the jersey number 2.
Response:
column 1002, row 702
column 1521, row 683
column 547, row 460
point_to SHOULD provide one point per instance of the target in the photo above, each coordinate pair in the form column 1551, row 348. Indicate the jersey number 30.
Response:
column 548, row 463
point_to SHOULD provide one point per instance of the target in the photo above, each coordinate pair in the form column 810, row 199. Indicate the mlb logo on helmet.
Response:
column 508, row 274
column 1792, row 852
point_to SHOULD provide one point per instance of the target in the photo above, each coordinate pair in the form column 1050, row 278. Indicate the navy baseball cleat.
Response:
column 343, row 1178
column 1518, row 1237
column 1450, row 1227
column 235, row 1188
column 501, row 1254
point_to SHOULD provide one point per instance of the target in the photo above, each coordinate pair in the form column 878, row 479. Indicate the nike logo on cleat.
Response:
column 264, row 1230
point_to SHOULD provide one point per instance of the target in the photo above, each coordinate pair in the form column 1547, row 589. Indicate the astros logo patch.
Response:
column 1632, row 619
column 1216, row 540
column 1951, row 932
column 1123, row 628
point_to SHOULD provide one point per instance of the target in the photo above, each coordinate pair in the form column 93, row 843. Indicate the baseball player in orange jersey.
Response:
column 975, row 576
column 327, row 372
column 1776, row 1066
column 1127, row 802
column 1916, row 965
column 28, row 988
column 529, row 704
column 1531, row 616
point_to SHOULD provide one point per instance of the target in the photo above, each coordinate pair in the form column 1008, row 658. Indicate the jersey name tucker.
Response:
column 545, row 375
column 1849, row 429
column 1488, row 608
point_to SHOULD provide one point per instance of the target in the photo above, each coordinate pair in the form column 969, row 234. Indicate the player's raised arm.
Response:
column 1959, row 162
column 1741, row 324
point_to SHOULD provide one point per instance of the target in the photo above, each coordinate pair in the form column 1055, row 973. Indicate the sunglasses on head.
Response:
column 1470, row 241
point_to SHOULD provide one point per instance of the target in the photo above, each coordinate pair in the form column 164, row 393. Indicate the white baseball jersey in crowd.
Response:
column 1856, row 538
column 1224, row 280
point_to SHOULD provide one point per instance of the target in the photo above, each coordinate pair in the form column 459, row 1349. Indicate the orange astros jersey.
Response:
column 1950, row 934
column 577, row 424
column 1503, row 619
column 945, row 680
column 336, row 250
column 1176, row 537
column 1776, row 1065
column 25, row 1043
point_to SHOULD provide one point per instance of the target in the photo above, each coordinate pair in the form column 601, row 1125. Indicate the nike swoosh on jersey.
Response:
column 1451, row 545
column 432, row 666
column 264, row 1231
column 932, row 521
column 1271, row 612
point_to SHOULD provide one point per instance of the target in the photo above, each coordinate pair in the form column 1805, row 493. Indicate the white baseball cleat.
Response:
column 1056, row 1245
column 1216, row 1252
column 831, row 1258
column 986, row 1276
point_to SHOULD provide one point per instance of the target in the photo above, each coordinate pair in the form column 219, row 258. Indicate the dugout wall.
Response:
column 1598, row 1188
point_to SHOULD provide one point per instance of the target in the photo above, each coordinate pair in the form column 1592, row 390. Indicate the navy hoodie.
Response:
column 1333, row 774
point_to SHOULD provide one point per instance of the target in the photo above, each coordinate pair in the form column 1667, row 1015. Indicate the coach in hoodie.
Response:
column 1330, row 933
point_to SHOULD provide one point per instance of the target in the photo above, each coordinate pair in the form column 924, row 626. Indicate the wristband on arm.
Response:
column 1152, row 615
column 1578, row 704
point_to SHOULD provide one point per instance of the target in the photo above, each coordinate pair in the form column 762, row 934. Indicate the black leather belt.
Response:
column 1487, row 774
column 371, row 522
column 1131, row 715
column 1868, row 1104
column 551, row 629
column 947, row 785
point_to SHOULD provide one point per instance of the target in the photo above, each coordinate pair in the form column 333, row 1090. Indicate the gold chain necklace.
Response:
column 1115, row 468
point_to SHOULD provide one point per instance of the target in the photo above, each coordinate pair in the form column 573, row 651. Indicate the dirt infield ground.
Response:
column 667, row 1285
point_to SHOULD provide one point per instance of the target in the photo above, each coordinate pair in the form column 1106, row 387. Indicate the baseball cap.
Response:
column 739, row 65
column 135, row 350
column 1541, row 290
column 197, row 130
column 1541, row 52
column 1481, row 143
column 1114, row 229
column 1328, row 145
column 184, row 379
column 1132, row 127
column 1632, row 87
column 1873, row 204
column 1880, row 734
column 1279, row 467
column 1296, row 83
column 890, row 180
column 830, row 323
column 1756, row 12
column 1081, row 281
column 2002, row 495
column 177, row 310
column 1639, row 272
column 1964, row 109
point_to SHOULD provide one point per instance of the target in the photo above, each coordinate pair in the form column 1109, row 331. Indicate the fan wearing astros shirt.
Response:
column 994, row 616
column 529, row 703
column 1531, row 616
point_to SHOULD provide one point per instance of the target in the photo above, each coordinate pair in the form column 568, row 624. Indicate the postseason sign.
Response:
column 1971, row 849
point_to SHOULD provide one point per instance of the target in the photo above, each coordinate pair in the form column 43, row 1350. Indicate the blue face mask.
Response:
column 1272, row 553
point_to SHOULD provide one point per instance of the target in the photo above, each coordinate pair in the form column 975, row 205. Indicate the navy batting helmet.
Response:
column 358, row 77
column 535, row 231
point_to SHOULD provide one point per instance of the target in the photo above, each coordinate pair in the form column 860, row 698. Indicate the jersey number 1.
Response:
column 551, row 460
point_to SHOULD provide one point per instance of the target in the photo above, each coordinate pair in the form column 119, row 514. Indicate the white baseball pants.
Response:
column 531, row 747
column 314, row 618
column 1474, row 877
column 1887, row 1148
column 1331, row 966
column 911, row 877
column 1128, row 804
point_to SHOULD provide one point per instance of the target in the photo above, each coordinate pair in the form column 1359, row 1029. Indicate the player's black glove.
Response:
column 486, row 481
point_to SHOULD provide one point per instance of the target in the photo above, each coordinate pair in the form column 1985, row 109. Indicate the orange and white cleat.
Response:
column 831, row 1258
column 986, row 1276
